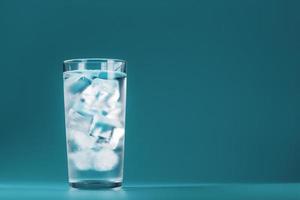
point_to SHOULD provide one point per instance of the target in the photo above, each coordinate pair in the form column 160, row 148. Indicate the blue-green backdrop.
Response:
column 213, row 86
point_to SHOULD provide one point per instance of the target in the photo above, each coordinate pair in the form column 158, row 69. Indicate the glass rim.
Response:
column 91, row 60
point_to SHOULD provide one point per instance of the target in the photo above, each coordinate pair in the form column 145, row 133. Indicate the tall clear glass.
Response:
column 95, row 102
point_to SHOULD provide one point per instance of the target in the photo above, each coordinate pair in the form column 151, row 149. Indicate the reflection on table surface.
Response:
column 284, row 191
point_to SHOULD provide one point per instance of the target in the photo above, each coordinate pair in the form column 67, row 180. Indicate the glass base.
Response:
column 95, row 185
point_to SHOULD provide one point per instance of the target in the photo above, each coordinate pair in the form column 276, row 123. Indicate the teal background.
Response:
column 213, row 86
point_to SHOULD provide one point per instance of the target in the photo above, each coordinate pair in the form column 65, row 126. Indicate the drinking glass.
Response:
column 95, row 102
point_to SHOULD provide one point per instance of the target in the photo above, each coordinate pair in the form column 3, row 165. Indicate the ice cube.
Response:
column 103, row 131
column 79, row 121
column 109, row 138
column 117, row 134
column 100, row 121
column 110, row 87
column 82, row 160
column 75, row 82
column 92, row 97
column 105, row 160
column 81, row 107
column 82, row 140
column 70, row 78
column 100, row 87
column 90, row 94
column 104, row 139
column 100, row 95
column 99, row 128
column 80, row 85
column 114, row 112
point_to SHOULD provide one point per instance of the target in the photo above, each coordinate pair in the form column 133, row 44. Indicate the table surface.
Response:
column 285, row 191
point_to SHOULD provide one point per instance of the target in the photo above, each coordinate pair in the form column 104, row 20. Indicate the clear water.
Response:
column 95, row 122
